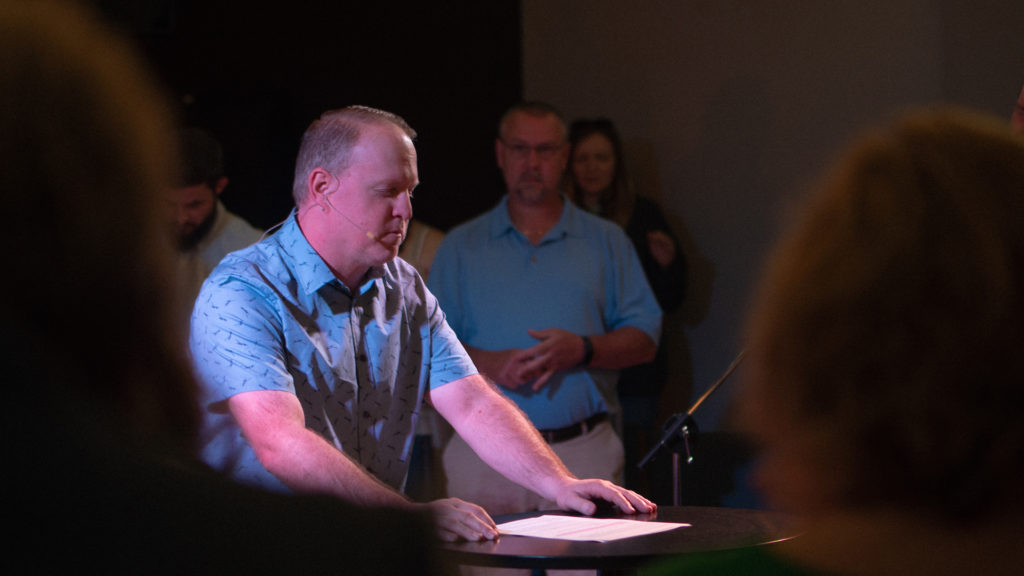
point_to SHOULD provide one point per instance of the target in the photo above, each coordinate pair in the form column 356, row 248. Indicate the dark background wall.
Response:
column 729, row 108
column 257, row 74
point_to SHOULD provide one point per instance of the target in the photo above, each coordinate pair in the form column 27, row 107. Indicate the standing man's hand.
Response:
column 557, row 350
column 511, row 368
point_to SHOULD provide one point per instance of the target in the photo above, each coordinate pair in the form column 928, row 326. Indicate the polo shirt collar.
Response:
column 568, row 224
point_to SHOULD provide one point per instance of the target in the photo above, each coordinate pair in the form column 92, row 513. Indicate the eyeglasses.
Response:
column 544, row 151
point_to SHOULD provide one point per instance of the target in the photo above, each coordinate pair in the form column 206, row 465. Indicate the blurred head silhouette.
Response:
column 86, row 139
column 886, row 335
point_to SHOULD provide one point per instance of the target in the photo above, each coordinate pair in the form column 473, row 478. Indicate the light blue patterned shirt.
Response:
column 274, row 317
column 584, row 276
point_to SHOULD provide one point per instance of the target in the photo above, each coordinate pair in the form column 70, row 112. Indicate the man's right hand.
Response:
column 457, row 519
column 511, row 368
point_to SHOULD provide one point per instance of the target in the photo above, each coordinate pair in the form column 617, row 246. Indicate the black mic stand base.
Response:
column 677, row 434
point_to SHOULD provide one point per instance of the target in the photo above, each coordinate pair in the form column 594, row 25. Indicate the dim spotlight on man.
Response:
column 317, row 347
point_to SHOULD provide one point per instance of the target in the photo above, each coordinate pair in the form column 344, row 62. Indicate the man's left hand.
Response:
column 558, row 349
column 580, row 495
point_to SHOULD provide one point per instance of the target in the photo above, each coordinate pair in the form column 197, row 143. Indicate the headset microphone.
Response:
column 369, row 234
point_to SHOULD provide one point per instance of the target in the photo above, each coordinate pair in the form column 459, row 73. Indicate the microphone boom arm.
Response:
column 683, row 425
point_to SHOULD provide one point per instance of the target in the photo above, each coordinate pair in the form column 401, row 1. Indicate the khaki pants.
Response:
column 596, row 454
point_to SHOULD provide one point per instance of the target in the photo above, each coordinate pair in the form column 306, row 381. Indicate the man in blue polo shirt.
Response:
column 550, row 302
column 316, row 347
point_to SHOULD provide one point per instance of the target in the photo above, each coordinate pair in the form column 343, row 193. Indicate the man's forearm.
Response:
column 306, row 463
column 273, row 423
column 622, row 348
column 501, row 435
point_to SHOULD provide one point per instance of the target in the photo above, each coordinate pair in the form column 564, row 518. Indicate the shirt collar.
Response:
column 568, row 224
column 309, row 269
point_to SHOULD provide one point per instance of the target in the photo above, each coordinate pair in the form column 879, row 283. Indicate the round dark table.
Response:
column 710, row 529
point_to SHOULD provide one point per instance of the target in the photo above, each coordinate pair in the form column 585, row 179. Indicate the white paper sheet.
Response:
column 583, row 529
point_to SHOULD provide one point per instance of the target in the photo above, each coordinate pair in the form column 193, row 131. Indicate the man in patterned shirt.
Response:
column 317, row 347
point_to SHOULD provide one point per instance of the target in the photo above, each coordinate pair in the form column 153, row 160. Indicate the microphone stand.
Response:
column 680, row 428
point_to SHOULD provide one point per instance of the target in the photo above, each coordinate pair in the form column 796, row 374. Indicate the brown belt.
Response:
column 573, row 430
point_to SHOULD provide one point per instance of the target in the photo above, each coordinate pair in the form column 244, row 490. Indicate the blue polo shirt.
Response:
column 584, row 276
column 274, row 317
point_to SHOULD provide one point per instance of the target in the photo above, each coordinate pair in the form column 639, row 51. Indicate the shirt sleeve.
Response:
column 634, row 304
column 236, row 341
column 449, row 359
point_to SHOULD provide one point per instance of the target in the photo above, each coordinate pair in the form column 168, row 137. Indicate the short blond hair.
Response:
column 329, row 140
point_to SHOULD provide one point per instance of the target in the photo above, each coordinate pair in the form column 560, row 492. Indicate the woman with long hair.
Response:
column 598, row 181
